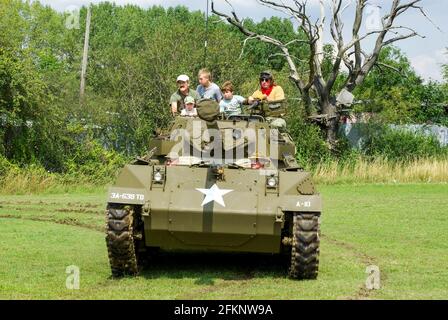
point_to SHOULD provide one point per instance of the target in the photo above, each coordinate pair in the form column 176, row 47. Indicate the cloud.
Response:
column 429, row 66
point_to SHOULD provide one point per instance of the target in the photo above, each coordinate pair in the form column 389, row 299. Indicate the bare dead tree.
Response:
column 347, row 52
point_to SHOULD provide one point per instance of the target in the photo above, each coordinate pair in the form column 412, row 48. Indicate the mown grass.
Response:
column 400, row 228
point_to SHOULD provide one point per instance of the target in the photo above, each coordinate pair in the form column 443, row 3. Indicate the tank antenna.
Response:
column 206, row 35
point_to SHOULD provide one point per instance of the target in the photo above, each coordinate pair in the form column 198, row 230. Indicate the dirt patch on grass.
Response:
column 84, row 205
column 362, row 293
column 15, row 208
column 52, row 203
column 46, row 207
column 361, row 256
column 197, row 294
column 80, row 210
column 15, row 202
column 235, row 272
column 65, row 221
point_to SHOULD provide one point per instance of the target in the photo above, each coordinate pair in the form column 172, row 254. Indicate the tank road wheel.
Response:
column 305, row 246
column 123, row 238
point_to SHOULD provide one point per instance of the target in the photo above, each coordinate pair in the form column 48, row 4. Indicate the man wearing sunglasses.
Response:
column 268, row 89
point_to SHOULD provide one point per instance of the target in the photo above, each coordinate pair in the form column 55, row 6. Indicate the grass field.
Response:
column 400, row 228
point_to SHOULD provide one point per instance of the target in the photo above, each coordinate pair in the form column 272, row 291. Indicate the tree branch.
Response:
column 235, row 21
column 388, row 66
column 359, row 74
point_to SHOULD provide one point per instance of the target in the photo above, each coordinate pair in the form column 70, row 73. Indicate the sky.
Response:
column 426, row 54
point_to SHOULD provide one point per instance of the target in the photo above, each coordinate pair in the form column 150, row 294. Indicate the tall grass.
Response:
column 38, row 181
column 86, row 170
column 381, row 170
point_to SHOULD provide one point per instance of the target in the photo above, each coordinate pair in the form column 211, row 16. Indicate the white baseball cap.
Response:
column 183, row 77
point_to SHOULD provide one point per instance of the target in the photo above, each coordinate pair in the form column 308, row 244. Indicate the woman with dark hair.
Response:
column 268, row 89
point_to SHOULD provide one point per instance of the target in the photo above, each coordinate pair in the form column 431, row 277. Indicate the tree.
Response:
column 393, row 93
column 350, row 53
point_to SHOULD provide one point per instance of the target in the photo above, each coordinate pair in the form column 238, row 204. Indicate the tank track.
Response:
column 121, row 241
column 305, row 246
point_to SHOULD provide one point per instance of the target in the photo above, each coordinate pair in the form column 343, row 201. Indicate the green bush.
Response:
column 89, row 164
column 400, row 145
column 311, row 146
column 94, row 162
column 5, row 166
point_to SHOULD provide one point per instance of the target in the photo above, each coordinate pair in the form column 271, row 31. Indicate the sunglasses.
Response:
column 264, row 80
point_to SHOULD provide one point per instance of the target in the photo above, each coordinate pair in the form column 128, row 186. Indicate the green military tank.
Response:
column 216, row 184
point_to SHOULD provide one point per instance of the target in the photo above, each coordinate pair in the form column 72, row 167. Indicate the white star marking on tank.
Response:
column 214, row 194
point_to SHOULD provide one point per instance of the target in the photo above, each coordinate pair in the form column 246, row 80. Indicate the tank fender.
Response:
column 127, row 196
column 132, row 185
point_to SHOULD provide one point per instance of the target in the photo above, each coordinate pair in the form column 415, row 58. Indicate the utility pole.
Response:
column 85, row 56
column 206, row 35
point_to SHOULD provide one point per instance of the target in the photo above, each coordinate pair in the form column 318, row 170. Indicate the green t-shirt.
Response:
column 179, row 98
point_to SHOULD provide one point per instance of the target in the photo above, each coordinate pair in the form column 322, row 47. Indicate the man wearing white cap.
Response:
column 177, row 100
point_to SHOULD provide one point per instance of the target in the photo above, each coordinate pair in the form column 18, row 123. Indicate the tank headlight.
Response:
column 158, row 176
column 272, row 182
column 236, row 134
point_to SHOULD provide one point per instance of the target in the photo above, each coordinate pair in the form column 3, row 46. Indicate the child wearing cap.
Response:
column 231, row 104
column 190, row 110
column 177, row 99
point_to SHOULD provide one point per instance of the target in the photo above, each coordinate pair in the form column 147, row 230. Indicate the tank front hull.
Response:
column 196, row 241
column 192, row 210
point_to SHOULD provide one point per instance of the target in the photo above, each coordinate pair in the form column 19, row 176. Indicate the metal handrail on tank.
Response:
column 266, row 108
column 246, row 117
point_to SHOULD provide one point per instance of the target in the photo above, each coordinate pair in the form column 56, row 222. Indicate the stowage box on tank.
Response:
column 224, row 185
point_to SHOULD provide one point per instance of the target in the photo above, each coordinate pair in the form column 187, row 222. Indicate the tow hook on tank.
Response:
column 146, row 208
column 280, row 216
column 218, row 172
column 138, row 236
column 287, row 241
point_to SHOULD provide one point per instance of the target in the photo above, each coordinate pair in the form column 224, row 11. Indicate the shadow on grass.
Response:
column 205, row 267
